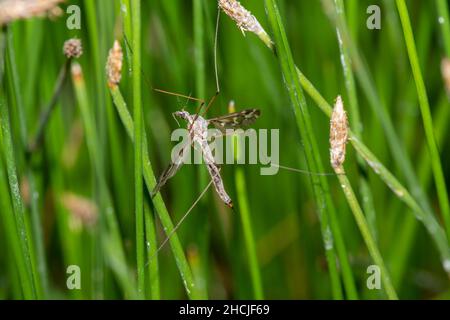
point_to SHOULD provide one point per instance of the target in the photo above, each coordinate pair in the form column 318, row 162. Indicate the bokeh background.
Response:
column 66, row 224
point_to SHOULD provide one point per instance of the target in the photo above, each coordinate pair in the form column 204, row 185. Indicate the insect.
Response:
column 198, row 132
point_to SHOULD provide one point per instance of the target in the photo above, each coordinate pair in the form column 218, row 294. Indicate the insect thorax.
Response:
column 198, row 125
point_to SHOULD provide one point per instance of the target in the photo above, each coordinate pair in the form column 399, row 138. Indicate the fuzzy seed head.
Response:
column 338, row 134
column 114, row 65
column 445, row 69
column 81, row 209
column 11, row 10
column 73, row 48
column 243, row 18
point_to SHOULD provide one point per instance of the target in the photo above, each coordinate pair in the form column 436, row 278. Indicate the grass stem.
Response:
column 365, row 232
column 158, row 202
column 25, row 267
column 138, row 127
column 113, row 244
column 426, row 115
column 329, row 224
column 244, row 212
column 45, row 116
column 355, row 117
column 152, row 247
column 444, row 22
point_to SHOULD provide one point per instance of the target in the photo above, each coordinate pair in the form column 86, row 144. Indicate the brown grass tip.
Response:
column 73, row 48
column 77, row 72
column 81, row 209
column 114, row 65
column 338, row 134
column 11, row 10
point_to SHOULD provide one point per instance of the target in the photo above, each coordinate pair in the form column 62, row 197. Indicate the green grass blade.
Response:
column 138, row 129
column 36, row 243
column 24, row 264
column 244, row 212
column 112, row 239
column 397, row 148
column 152, row 247
column 366, row 234
column 355, row 117
column 444, row 22
column 435, row 230
column 158, row 202
column 426, row 116
column 320, row 184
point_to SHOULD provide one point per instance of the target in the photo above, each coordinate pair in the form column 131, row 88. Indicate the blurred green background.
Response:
column 178, row 56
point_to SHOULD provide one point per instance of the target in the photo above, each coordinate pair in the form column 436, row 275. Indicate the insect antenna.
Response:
column 146, row 79
column 216, row 35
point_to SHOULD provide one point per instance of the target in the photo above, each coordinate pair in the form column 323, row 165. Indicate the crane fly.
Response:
column 198, row 133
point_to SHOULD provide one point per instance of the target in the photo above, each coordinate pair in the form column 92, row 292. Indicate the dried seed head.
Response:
column 11, row 10
column 445, row 69
column 338, row 134
column 73, row 48
column 243, row 18
column 114, row 65
column 81, row 209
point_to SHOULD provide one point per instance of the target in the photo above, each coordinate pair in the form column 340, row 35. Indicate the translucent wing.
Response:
column 171, row 170
column 235, row 120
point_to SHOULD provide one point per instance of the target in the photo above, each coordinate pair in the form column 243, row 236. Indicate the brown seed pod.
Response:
column 338, row 134
column 114, row 65
column 243, row 18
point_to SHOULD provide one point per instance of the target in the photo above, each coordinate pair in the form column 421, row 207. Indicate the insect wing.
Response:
column 236, row 120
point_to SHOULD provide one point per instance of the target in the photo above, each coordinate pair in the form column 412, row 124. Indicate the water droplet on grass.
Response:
column 447, row 265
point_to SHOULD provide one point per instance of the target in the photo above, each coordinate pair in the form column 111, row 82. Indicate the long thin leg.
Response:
column 202, row 101
column 211, row 101
column 171, row 170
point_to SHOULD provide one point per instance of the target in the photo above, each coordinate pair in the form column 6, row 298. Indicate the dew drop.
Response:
column 447, row 265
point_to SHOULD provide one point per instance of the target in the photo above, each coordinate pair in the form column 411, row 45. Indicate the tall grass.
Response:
column 23, row 254
column 292, row 236
column 138, row 129
column 331, row 232
column 150, row 181
column 426, row 115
